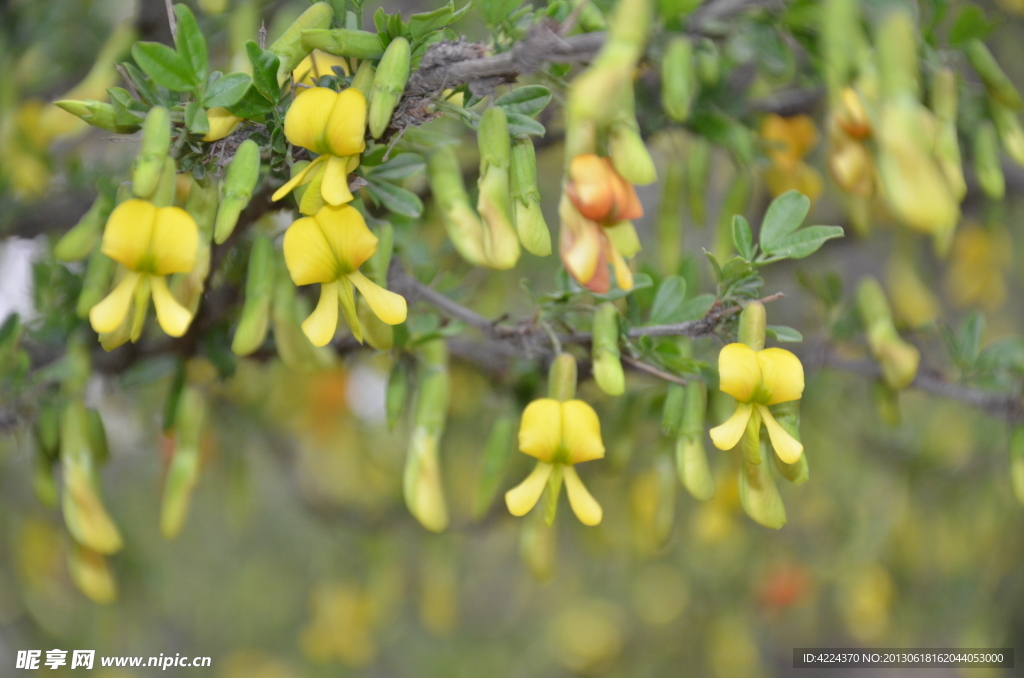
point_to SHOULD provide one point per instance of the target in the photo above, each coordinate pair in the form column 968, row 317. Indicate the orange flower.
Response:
column 599, row 193
column 586, row 251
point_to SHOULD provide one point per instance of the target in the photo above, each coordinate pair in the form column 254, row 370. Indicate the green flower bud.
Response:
column 96, row 283
column 397, row 392
column 167, row 186
column 625, row 145
column 422, row 487
column 77, row 243
column 236, row 191
column 259, row 294
column 463, row 225
column 497, row 450
column 753, row 325
column 1010, row 132
column 388, row 85
column 343, row 42
column 698, row 172
column 292, row 345
column 363, row 79
column 289, row 47
column 84, row 514
column 378, row 334
column 986, row 161
column 841, row 40
column 665, row 506
column 691, row 458
column 494, row 202
column 899, row 359
column 183, row 472
column 672, row 411
column 996, row 81
column 897, row 54
column 44, row 484
column 678, row 81
column 202, row 204
column 156, row 143
column 1017, row 462
column 759, row 496
column 47, row 430
column 97, row 114
column 533, row 230
column 605, row 350
column 709, row 68
column 944, row 95
column 97, row 437
column 562, row 377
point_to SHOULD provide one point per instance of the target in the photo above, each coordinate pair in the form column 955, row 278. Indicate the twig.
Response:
column 171, row 20
column 651, row 369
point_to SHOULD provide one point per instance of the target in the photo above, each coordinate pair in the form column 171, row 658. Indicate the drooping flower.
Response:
column 599, row 193
column 332, row 125
column 559, row 435
column 328, row 248
column 757, row 380
column 788, row 141
column 586, row 250
column 151, row 243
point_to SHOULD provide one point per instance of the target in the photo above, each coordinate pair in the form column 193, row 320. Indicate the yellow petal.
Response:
column 172, row 316
column 782, row 376
column 335, row 182
column 581, row 432
column 308, row 255
column 222, row 123
column 298, row 179
column 306, row 120
column 108, row 315
column 312, row 198
column 726, row 436
column 786, row 446
column 623, row 276
column 386, row 305
column 345, row 230
column 322, row 323
column 175, row 241
column 579, row 242
column 345, row 130
column 523, row 497
column 129, row 228
column 540, row 432
column 739, row 373
column 583, row 504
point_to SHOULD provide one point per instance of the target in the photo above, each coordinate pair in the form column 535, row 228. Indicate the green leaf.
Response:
column 395, row 198
column 742, row 237
column 264, row 70
column 521, row 124
column 380, row 21
column 714, row 265
column 969, row 338
column 252, row 105
column 783, row 333
column 423, row 23
column 696, row 308
column 190, row 42
column 164, row 65
column 399, row 167
column 141, row 83
column 668, row 300
column 784, row 216
column 805, row 242
column 196, row 119
column 227, row 91
column 970, row 24
column 735, row 268
column 529, row 100
column 496, row 11
column 127, row 110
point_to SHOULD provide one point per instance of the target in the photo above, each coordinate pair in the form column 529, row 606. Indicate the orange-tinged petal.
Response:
column 579, row 242
column 726, row 436
column 128, row 232
column 581, row 432
column 786, row 446
column 739, row 373
column 540, row 431
column 334, row 188
column 306, row 121
column 308, row 254
column 524, row 496
column 623, row 276
column 175, row 241
column 172, row 316
column 590, row 187
column 107, row 315
column 345, row 230
column 302, row 177
column 583, row 504
column 386, row 305
column 322, row 323
column 345, row 130
column 625, row 202
column 782, row 376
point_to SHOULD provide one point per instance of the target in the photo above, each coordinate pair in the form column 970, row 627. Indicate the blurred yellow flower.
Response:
column 787, row 142
column 151, row 243
column 757, row 379
column 559, row 435
column 332, row 125
column 978, row 265
column 328, row 248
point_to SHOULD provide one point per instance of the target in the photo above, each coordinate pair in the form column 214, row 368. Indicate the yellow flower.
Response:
column 317, row 65
column 151, row 243
column 332, row 125
column 222, row 123
column 328, row 248
column 788, row 141
column 558, row 434
column 757, row 379
column 586, row 249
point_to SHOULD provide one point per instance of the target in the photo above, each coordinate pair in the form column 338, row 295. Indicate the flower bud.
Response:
column 236, row 191
column 691, row 457
column 91, row 574
column 343, row 42
column 497, row 450
column 996, row 81
column 599, row 192
column 289, row 47
column 851, row 116
column 422, row 487
column 388, row 85
column 500, row 242
column 899, row 359
column 96, row 283
column 530, row 225
column 363, row 79
column 629, row 155
column 698, row 172
column 156, row 143
column 1017, row 462
column 896, row 43
column 678, row 80
column 1010, row 132
column 259, row 294
column 97, row 114
column 986, row 161
column 759, row 496
column 672, row 411
column 77, row 243
column 562, row 377
column 84, row 514
column 605, row 350
column 292, row 345
column 183, row 472
column 753, row 325
column 944, row 94
column 463, row 225
column 167, row 186
column 913, row 303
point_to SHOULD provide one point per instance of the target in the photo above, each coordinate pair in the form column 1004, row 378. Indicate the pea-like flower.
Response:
column 328, row 248
column 222, row 123
column 559, row 435
column 332, row 125
column 586, row 250
column 758, row 379
column 151, row 243
column 598, row 191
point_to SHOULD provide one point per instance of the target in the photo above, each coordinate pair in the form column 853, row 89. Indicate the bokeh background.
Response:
column 299, row 558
